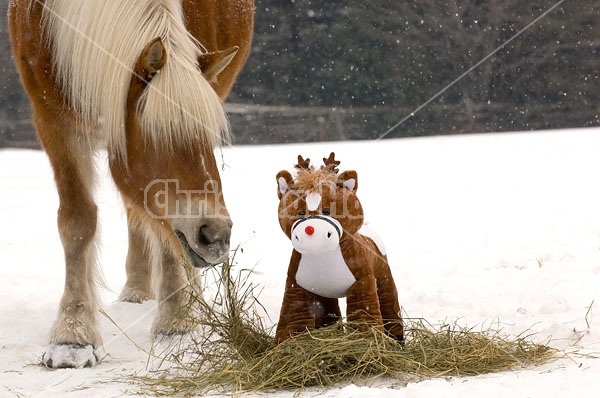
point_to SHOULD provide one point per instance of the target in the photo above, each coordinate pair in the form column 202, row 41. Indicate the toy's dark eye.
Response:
column 326, row 212
column 301, row 214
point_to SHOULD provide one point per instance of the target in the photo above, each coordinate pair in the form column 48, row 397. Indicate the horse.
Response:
column 334, row 255
column 145, row 79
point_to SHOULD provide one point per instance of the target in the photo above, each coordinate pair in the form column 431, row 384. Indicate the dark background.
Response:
column 339, row 70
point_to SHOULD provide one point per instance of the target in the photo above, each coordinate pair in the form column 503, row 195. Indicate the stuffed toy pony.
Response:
column 334, row 255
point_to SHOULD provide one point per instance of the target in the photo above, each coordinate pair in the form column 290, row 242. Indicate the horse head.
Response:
column 174, row 186
column 319, row 208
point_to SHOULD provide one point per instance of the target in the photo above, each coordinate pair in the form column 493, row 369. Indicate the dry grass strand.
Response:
column 234, row 351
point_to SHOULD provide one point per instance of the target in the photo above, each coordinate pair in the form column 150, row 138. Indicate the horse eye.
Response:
column 301, row 214
column 326, row 212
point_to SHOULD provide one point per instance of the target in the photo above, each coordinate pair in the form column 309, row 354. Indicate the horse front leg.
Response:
column 175, row 290
column 74, row 338
column 138, row 266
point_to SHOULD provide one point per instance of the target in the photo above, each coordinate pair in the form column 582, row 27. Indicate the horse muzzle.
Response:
column 206, row 241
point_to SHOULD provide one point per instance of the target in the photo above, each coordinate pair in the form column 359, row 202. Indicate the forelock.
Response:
column 310, row 179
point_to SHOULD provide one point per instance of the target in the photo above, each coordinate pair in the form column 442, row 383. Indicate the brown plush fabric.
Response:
column 373, row 297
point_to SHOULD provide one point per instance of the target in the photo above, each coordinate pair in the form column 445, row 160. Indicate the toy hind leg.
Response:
column 388, row 303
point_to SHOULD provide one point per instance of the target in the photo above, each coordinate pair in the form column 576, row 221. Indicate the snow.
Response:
column 495, row 230
column 73, row 355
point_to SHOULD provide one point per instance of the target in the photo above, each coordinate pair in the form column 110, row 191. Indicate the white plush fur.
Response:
column 95, row 46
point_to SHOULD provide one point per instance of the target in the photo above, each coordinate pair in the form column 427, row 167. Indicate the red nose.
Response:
column 309, row 230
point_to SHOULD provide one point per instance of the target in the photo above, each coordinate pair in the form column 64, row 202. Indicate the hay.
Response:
column 234, row 351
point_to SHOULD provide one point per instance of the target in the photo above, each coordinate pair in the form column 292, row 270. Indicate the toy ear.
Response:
column 348, row 179
column 284, row 182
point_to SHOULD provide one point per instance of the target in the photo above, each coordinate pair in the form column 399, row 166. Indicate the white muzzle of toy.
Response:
column 315, row 234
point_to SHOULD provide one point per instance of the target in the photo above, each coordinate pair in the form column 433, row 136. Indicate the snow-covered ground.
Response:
column 497, row 230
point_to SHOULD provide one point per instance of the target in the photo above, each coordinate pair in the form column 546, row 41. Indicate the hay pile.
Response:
column 233, row 351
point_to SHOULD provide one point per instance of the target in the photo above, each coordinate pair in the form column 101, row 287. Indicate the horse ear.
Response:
column 211, row 64
column 151, row 60
column 349, row 179
column 284, row 182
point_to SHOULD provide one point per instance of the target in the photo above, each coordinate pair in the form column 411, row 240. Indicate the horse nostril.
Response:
column 206, row 236
column 213, row 233
column 209, row 234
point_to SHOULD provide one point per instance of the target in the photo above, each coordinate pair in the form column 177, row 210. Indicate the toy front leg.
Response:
column 297, row 313
column 363, row 302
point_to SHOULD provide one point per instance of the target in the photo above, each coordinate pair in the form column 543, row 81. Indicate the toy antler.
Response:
column 331, row 164
column 303, row 163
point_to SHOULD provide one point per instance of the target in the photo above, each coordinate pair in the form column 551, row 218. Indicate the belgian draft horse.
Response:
column 146, row 79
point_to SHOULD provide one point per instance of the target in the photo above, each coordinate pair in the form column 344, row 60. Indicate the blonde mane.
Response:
column 95, row 46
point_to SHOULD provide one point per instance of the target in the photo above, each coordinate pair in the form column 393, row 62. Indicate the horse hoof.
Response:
column 136, row 296
column 168, row 336
column 165, row 327
column 66, row 355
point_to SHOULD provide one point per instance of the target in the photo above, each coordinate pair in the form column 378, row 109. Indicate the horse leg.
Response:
column 74, row 337
column 175, row 289
column 138, row 265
